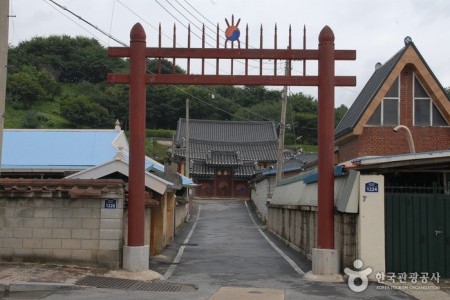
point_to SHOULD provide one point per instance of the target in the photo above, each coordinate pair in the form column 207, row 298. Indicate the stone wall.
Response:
column 261, row 193
column 62, row 221
column 297, row 226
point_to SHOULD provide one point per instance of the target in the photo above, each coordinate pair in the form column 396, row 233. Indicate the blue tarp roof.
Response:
column 55, row 148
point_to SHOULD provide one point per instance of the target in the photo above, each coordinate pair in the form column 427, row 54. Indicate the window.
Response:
column 425, row 112
column 387, row 113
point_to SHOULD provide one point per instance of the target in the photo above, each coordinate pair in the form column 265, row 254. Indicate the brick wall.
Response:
column 384, row 141
column 61, row 221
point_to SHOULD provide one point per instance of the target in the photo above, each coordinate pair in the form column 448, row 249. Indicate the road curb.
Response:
column 36, row 286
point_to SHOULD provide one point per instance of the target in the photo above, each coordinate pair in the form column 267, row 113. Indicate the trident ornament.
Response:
column 232, row 32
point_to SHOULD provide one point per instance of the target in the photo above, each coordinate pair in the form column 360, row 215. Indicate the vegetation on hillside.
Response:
column 60, row 82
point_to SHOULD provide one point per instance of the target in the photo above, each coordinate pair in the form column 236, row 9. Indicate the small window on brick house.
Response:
column 425, row 112
column 387, row 112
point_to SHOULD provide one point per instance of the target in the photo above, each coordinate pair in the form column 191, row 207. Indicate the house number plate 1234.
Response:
column 371, row 187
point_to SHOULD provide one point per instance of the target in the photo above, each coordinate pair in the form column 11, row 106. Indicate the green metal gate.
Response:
column 418, row 233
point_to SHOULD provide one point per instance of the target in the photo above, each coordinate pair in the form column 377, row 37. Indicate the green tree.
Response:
column 82, row 113
column 339, row 113
column 306, row 127
column 67, row 59
column 29, row 86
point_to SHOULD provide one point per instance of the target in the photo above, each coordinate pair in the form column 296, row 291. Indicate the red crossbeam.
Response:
column 268, row 80
column 212, row 53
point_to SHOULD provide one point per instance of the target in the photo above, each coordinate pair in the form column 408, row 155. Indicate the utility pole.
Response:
column 4, row 26
column 187, row 157
column 279, row 174
column 186, row 165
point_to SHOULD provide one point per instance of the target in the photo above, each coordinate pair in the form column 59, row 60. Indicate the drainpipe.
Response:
column 409, row 137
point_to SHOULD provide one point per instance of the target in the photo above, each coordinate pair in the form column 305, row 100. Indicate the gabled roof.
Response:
column 353, row 115
column 120, row 165
column 59, row 149
column 35, row 150
column 226, row 131
column 376, row 82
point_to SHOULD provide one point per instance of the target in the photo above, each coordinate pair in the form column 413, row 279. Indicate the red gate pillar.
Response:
column 325, row 258
column 136, row 254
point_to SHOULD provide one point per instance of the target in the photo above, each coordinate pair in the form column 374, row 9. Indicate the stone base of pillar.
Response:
column 136, row 258
column 326, row 261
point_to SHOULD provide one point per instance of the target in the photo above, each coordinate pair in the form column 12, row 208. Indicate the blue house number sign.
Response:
column 372, row 187
column 110, row 203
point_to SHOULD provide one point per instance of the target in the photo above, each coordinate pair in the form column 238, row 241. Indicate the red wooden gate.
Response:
column 326, row 81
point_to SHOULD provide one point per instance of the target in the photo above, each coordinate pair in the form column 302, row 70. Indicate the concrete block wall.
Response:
column 297, row 226
column 64, row 225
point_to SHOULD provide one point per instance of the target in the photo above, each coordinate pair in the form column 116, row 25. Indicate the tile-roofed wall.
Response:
column 226, row 131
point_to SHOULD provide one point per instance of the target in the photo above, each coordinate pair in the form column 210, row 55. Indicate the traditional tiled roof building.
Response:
column 225, row 154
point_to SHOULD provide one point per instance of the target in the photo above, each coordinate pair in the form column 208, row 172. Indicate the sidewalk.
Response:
column 27, row 272
column 28, row 276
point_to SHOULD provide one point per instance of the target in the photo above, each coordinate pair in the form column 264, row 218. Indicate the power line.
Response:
column 87, row 22
column 199, row 12
column 189, row 12
column 209, row 21
column 199, row 28
column 180, row 22
column 67, row 17
column 112, row 17
column 169, row 38
column 112, row 37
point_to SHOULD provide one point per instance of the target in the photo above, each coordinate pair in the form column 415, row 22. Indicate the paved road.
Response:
column 226, row 249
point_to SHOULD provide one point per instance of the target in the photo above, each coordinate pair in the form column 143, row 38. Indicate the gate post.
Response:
column 325, row 259
column 136, row 254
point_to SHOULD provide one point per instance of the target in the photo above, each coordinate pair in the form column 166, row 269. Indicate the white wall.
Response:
column 371, row 246
column 263, row 192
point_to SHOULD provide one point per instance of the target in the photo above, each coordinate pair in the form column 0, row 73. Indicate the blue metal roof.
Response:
column 311, row 176
column 26, row 148
column 64, row 149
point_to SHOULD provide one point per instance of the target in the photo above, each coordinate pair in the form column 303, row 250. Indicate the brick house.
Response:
column 402, row 91
column 224, row 155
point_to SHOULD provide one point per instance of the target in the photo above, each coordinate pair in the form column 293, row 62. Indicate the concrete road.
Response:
column 228, row 249
column 227, row 255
